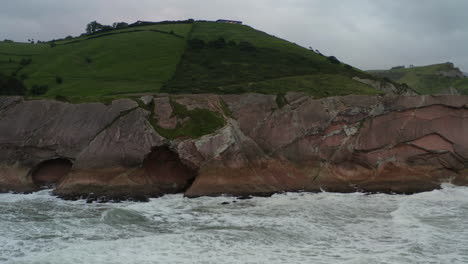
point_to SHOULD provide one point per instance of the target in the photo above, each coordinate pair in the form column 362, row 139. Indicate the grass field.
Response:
column 232, row 32
column 230, row 68
column 426, row 79
column 336, row 85
column 159, row 58
column 121, row 63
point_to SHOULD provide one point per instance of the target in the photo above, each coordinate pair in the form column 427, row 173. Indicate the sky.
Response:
column 368, row 34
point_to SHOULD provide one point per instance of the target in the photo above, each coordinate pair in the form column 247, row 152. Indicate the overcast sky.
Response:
column 369, row 34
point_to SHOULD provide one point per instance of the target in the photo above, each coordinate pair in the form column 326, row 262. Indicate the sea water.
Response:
column 429, row 227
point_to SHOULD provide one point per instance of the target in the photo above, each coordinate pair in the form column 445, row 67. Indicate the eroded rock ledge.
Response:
column 386, row 144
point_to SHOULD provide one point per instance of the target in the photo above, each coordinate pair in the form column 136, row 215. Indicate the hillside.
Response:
column 441, row 78
column 132, row 61
column 184, row 57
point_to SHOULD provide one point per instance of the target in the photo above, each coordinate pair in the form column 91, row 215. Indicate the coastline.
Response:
column 375, row 144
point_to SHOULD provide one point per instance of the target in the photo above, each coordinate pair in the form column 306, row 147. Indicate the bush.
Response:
column 23, row 76
column 218, row 44
column 25, row 61
column 88, row 60
column 62, row 98
column 69, row 37
column 281, row 99
column 39, row 89
column 9, row 85
column 105, row 28
column 333, row 60
column 246, row 46
column 52, row 44
column 199, row 122
column 119, row 25
column 58, row 79
column 196, row 44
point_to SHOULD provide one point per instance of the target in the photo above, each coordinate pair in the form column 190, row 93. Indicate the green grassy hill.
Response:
column 431, row 79
column 128, row 62
column 198, row 57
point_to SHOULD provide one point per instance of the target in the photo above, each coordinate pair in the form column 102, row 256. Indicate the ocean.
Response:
column 429, row 227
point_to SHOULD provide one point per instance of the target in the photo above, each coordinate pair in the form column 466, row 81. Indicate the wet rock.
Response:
column 244, row 197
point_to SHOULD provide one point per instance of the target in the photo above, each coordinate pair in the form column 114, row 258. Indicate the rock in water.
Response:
column 393, row 144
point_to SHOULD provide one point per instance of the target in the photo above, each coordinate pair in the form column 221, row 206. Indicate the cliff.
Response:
column 253, row 144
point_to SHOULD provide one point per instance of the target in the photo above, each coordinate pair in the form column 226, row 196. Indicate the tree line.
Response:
column 94, row 26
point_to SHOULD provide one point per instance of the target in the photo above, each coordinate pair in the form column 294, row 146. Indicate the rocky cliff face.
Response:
column 400, row 144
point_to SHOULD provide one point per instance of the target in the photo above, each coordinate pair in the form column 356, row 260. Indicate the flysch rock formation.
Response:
column 391, row 144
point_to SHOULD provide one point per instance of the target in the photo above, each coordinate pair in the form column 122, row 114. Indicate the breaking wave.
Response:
column 428, row 227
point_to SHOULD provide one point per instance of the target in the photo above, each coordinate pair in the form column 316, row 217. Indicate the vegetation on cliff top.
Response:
column 192, row 124
column 431, row 79
column 182, row 57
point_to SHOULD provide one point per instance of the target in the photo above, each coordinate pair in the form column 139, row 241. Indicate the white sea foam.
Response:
column 429, row 227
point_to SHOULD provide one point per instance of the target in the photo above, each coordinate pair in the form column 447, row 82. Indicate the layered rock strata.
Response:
column 391, row 144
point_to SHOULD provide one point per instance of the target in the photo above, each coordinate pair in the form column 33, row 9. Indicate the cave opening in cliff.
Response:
column 164, row 168
column 50, row 172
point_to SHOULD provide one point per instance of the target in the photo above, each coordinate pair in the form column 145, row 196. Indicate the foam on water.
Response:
column 289, row 228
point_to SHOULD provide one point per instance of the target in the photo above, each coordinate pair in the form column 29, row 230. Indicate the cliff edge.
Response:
column 249, row 144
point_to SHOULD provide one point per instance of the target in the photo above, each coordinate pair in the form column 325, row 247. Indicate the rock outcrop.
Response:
column 387, row 87
column 392, row 144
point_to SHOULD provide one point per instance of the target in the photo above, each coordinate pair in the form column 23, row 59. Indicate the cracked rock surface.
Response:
column 393, row 144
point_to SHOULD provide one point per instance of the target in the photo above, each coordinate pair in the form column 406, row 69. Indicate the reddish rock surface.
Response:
column 51, row 172
column 390, row 144
column 164, row 168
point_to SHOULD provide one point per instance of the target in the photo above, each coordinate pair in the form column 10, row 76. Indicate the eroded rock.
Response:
column 393, row 144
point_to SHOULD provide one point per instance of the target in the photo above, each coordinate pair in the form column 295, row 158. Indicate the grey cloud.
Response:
column 365, row 33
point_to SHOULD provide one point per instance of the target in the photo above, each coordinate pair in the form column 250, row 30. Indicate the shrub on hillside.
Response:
column 247, row 46
column 62, row 98
column 92, row 27
column 106, row 28
column 9, row 85
column 25, row 61
column 333, row 60
column 281, row 99
column 196, row 44
column 23, row 76
column 119, row 25
column 217, row 44
column 39, row 89
column 58, row 79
